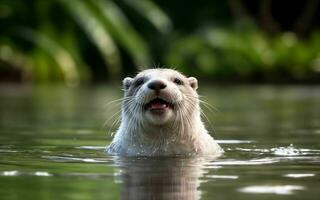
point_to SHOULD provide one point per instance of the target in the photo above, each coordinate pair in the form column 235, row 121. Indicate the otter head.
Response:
column 159, row 96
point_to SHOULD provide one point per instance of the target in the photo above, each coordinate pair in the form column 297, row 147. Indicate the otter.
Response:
column 161, row 116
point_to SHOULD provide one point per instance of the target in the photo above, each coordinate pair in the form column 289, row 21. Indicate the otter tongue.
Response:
column 158, row 105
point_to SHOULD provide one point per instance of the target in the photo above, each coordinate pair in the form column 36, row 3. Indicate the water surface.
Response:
column 52, row 142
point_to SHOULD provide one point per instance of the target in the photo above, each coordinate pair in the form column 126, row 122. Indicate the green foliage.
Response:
column 60, row 32
column 245, row 54
column 83, row 40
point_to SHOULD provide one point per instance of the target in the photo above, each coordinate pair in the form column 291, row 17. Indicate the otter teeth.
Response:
column 157, row 104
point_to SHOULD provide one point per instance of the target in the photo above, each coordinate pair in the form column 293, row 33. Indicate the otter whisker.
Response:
column 204, row 103
column 203, row 114
column 208, row 106
column 181, row 122
column 114, row 123
column 117, row 120
column 185, row 118
column 133, row 120
column 116, row 115
column 116, row 101
column 188, row 114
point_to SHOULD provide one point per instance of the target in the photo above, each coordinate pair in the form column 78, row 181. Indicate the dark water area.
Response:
column 52, row 142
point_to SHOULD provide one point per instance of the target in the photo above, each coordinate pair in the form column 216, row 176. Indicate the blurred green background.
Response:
column 87, row 41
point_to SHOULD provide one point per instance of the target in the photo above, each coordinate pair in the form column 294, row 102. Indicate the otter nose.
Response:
column 157, row 85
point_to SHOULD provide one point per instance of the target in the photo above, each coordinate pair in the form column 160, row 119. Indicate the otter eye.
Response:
column 139, row 81
column 178, row 81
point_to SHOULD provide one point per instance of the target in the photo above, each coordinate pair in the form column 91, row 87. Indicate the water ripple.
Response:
column 246, row 162
column 9, row 173
column 17, row 173
column 42, row 174
column 272, row 189
column 289, row 151
column 47, row 174
column 222, row 176
column 73, row 159
column 234, row 141
column 91, row 147
column 298, row 175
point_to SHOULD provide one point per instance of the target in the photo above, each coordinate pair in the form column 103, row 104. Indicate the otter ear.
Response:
column 193, row 82
column 127, row 82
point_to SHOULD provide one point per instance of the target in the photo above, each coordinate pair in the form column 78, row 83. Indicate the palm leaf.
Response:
column 117, row 24
column 152, row 13
column 60, row 55
column 99, row 35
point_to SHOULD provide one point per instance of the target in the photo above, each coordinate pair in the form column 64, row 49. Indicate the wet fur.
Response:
column 185, row 134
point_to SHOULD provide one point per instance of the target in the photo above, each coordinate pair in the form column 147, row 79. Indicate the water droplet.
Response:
column 286, row 151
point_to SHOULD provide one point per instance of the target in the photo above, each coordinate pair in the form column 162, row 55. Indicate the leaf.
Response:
column 99, row 35
column 152, row 13
column 61, row 56
column 120, row 28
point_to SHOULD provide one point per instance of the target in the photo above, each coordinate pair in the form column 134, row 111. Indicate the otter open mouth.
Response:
column 158, row 105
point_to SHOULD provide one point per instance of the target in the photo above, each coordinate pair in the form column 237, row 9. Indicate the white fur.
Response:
column 142, row 133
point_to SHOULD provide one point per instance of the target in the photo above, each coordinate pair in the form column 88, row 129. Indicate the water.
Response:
column 52, row 142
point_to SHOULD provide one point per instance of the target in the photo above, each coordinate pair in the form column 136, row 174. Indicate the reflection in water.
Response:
column 161, row 178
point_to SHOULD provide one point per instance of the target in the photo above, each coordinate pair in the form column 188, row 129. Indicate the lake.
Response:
column 52, row 142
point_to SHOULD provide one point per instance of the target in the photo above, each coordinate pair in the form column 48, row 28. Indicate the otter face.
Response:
column 157, row 96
